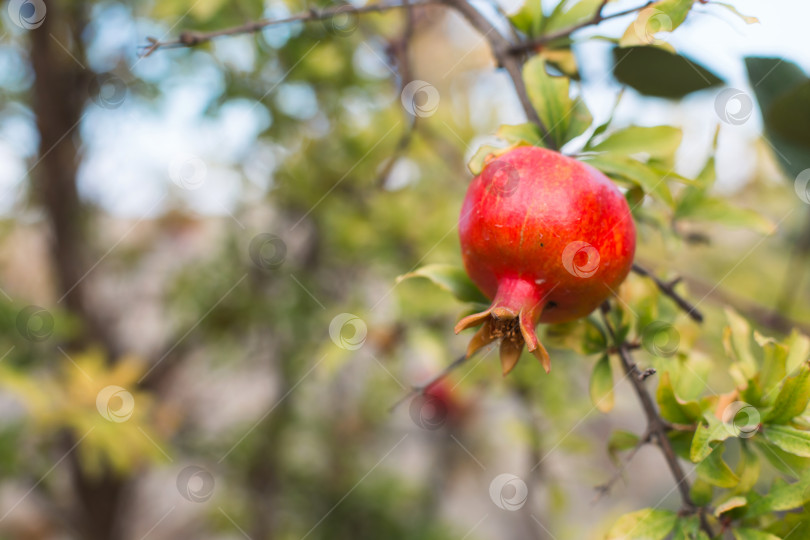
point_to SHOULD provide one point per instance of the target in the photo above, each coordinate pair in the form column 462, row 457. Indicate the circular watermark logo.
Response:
column 267, row 251
column 741, row 419
column 195, row 484
column 35, row 323
column 649, row 22
column 660, row 339
column 108, row 91
column 501, row 178
column 428, row 412
column 188, row 171
column 27, row 14
column 580, row 259
column 733, row 106
column 508, row 492
column 115, row 403
column 802, row 186
column 343, row 22
column 420, row 98
column 348, row 331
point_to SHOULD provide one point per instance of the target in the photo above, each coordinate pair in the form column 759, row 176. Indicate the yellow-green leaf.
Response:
column 716, row 471
column 705, row 434
column 791, row 440
column 732, row 503
column 569, row 13
column 524, row 134
column 450, row 278
column 748, row 19
column 719, row 210
column 662, row 16
column 563, row 117
column 637, row 173
column 674, row 409
column 753, row 534
column 792, row 399
column 601, row 387
column 660, row 142
column 644, row 524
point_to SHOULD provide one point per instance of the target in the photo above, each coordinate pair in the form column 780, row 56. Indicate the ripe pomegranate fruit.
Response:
column 547, row 239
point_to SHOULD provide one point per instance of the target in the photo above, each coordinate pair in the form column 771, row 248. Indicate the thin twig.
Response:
column 668, row 289
column 604, row 489
column 190, row 39
column 656, row 425
column 598, row 17
column 420, row 389
column 762, row 315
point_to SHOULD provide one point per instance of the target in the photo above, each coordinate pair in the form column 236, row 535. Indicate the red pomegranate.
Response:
column 548, row 239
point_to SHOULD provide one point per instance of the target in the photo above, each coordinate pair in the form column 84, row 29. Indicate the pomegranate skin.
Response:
column 547, row 239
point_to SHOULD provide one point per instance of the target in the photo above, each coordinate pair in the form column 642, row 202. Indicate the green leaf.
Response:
column 660, row 142
column 772, row 78
column 644, row 524
column 563, row 117
column 789, row 115
column 748, row 470
column 601, row 387
column 619, row 441
column 752, row 534
column 789, row 439
column 450, row 278
column 705, row 435
column 569, row 13
column 663, row 16
column 674, row 409
column 774, row 366
column 737, row 342
column 521, row 134
column 730, row 504
column 627, row 168
column 708, row 175
column 688, row 528
column 529, row 19
column 720, row 210
column 484, row 154
column 716, row 471
column 786, row 462
column 655, row 72
column 782, row 496
column 792, row 399
column 701, row 492
column 798, row 351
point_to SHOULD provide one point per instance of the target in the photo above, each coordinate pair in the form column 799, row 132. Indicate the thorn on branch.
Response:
column 645, row 374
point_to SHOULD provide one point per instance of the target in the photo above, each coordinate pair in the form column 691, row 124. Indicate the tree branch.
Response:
column 669, row 290
column 190, row 39
column 762, row 315
column 656, row 426
column 505, row 58
column 604, row 489
column 533, row 44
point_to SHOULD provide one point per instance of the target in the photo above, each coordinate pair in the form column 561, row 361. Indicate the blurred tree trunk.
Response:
column 60, row 92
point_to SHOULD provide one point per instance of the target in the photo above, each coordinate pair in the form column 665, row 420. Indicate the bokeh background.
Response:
column 202, row 331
